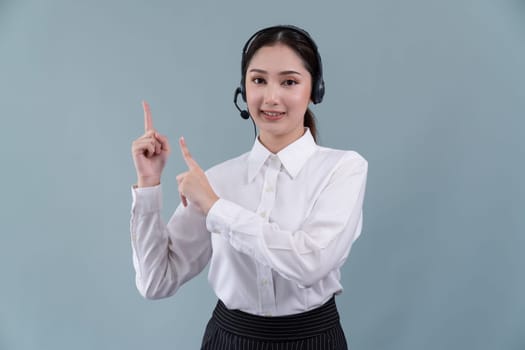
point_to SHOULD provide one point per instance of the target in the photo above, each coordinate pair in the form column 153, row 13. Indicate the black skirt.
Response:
column 317, row 329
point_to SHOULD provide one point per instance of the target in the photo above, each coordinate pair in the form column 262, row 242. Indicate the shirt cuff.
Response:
column 221, row 216
column 146, row 199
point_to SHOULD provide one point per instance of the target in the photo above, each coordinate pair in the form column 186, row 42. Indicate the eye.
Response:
column 258, row 80
column 289, row 82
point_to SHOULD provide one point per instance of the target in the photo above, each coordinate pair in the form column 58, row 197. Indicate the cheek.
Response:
column 301, row 99
column 253, row 99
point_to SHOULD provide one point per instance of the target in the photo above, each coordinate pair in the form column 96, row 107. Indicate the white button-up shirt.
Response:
column 276, row 239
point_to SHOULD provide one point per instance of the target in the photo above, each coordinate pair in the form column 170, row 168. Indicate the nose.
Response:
column 271, row 94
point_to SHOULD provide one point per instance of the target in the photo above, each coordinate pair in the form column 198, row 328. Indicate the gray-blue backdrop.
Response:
column 432, row 93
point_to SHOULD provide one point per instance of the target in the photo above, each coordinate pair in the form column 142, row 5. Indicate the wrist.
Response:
column 210, row 204
column 148, row 181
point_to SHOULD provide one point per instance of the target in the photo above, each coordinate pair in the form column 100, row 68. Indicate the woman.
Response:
column 276, row 223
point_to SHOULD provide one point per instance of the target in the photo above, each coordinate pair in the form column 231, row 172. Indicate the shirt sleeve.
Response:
column 320, row 245
column 165, row 256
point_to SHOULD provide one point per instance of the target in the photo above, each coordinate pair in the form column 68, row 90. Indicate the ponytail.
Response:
column 309, row 122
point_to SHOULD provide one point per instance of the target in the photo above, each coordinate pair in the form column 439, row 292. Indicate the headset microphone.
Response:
column 244, row 113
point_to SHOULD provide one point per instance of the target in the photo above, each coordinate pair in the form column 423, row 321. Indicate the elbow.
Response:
column 313, row 271
column 154, row 291
column 308, row 275
column 151, row 295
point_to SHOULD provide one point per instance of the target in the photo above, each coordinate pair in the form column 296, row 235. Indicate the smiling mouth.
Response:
column 272, row 115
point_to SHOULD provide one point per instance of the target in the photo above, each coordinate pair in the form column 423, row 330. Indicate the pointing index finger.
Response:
column 148, row 121
column 190, row 162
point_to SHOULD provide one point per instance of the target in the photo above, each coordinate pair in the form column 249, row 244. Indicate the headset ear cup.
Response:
column 318, row 92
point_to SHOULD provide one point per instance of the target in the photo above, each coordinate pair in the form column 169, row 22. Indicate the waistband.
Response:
column 289, row 327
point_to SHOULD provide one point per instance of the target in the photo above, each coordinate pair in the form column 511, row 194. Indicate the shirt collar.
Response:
column 292, row 157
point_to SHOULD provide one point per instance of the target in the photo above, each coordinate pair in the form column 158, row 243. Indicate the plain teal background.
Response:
column 432, row 93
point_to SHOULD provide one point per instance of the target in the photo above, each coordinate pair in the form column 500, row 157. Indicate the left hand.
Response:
column 193, row 184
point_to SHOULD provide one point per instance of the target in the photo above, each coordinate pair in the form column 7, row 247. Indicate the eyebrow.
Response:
column 285, row 72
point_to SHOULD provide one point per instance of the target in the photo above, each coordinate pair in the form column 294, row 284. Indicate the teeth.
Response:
column 273, row 114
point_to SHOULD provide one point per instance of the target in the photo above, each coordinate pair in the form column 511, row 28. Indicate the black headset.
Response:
column 318, row 87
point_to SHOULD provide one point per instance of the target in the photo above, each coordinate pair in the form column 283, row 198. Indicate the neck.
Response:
column 276, row 143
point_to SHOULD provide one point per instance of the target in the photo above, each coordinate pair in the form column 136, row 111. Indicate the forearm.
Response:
column 149, row 240
column 166, row 256
column 304, row 256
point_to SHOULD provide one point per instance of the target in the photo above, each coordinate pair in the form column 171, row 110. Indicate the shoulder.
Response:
column 341, row 159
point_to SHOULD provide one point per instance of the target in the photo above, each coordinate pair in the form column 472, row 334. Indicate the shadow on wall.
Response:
column 518, row 6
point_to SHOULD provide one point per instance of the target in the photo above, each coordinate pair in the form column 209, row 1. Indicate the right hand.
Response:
column 150, row 152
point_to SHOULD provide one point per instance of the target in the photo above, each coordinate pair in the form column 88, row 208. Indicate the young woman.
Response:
column 276, row 223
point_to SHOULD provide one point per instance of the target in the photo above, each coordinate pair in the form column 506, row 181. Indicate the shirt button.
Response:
column 264, row 282
column 269, row 189
column 263, row 214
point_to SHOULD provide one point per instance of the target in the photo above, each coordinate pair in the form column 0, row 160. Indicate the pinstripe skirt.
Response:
column 317, row 329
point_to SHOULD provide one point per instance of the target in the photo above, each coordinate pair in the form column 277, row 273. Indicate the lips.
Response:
column 272, row 115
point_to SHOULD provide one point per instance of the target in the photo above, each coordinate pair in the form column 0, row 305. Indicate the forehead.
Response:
column 278, row 57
